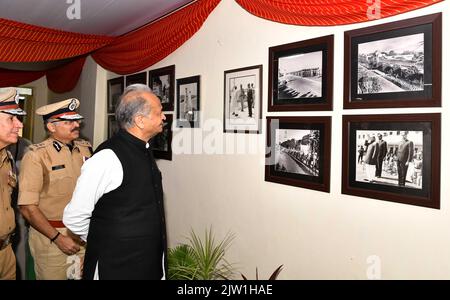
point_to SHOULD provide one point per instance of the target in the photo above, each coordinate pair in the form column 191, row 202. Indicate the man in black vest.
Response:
column 117, row 205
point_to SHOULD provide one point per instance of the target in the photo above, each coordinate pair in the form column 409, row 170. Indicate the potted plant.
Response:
column 200, row 259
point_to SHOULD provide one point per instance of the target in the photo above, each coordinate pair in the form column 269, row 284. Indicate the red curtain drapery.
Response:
column 60, row 79
column 144, row 47
column 329, row 12
column 63, row 79
column 21, row 42
column 16, row 78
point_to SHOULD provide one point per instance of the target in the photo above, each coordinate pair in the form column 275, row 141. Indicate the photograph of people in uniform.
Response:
column 242, row 99
column 389, row 157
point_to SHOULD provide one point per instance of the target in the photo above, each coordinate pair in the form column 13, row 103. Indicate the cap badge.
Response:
column 73, row 105
column 16, row 98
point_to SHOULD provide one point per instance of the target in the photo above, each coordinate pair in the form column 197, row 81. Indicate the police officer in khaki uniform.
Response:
column 48, row 174
column 9, row 133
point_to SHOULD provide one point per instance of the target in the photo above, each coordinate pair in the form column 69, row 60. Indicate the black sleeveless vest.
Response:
column 127, row 234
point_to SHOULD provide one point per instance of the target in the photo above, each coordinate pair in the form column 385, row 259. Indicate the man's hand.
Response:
column 67, row 245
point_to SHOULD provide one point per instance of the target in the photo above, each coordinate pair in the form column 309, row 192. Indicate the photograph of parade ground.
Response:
column 300, row 76
column 392, row 158
column 391, row 65
column 297, row 151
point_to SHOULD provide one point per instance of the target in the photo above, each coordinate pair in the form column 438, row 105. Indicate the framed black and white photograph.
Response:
column 162, row 83
column 136, row 78
column 162, row 143
column 301, row 75
column 396, row 64
column 188, row 102
column 243, row 100
column 113, row 126
column 392, row 157
column 299, row 152
column 115, row 90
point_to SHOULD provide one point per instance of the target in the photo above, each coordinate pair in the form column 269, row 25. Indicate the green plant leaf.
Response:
column 201, row 259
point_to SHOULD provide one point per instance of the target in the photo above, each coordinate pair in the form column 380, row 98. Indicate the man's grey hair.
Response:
column 131, row 104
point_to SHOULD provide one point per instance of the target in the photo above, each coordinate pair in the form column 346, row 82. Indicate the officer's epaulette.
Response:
column 82, row 143
column 38, row 146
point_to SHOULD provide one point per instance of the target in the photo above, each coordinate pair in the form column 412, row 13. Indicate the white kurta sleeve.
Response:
column 100, row 174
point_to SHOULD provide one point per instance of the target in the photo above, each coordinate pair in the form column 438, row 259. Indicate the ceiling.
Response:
column 103, row 17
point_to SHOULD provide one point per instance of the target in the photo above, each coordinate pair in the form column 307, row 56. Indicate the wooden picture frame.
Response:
column 406, row 169
column 115, row 88
column 242, row 103
column 162, row 83
column 188, row 102
column 299, row 151
column 162, row 143
column 395, row 64
column 113, row 126
column 136, row 78
column 301, row 75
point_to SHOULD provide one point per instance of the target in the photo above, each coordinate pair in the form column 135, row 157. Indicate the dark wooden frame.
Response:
column 258, row 71
column 184, row 122
column 395, row 194
column 170, row 71
column 110, row 107
column 136, row 78
column 391, row 30
column 322, row 183
column 112, row 124
column 324, row 44
column 167, row 155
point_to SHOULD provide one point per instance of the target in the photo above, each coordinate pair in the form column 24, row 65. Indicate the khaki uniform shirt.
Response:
column 8, row 181
column 48, row 174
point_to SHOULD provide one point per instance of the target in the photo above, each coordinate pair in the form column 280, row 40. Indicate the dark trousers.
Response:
column 402, row 170
column 249, row 102
column 379, row 166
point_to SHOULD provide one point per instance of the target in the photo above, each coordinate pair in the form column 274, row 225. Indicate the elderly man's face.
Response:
column 9, row 129
column 153, row 123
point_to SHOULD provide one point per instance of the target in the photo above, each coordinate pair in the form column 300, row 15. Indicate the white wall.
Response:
column 315, row 235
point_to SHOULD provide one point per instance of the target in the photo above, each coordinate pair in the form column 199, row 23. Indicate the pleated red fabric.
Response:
column 60, row 79
column 329, row 12
column 21, row 42
column 144, row 47
column 65, row 78
column 16, row 78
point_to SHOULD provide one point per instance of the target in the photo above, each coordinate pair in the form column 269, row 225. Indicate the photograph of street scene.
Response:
column 300, row 76
column 392, row 158
column 391, row 65
column 297, row 151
